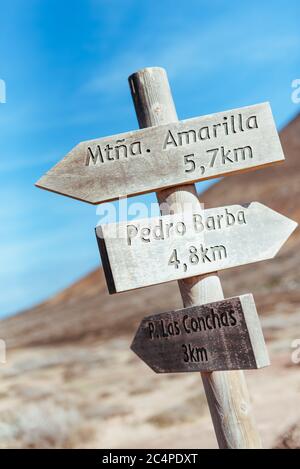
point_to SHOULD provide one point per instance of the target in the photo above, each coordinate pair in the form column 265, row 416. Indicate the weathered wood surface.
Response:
column 155, row 250
column 227, row 394
column 167, row 155
column 224, row 335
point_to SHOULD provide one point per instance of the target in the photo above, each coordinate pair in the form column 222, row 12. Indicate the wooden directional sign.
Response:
column 171, row 247
column 224, row 335
column 168, row 155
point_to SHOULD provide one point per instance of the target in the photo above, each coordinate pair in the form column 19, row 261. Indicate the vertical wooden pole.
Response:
column 226, row 391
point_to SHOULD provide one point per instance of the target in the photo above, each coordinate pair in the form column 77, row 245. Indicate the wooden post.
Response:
column 226, row 391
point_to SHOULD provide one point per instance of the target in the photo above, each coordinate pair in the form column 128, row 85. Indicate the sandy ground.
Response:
column 100, row 395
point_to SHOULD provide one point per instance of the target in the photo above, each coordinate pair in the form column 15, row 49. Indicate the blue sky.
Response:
column 66, row 65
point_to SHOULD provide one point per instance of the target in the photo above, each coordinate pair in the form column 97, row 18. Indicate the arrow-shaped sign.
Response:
column 224, row 335
column 168, row 155
column 155, row 250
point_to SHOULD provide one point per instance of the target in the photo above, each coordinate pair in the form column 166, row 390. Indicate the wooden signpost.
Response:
column 155, row 250
column 225, row 335
column 210, row 333
column 178, row 153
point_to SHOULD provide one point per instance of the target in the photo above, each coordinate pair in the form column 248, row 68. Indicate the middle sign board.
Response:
column 171, row 247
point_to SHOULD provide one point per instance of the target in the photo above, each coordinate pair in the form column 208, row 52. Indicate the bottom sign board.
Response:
column 224, row 335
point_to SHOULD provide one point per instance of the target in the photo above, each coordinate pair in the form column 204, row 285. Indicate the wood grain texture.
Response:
column 167, row 155
column 149, row 251
column 226, row 391
column 211, row 337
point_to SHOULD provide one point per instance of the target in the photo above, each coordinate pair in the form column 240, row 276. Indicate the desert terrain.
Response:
column 71, row 381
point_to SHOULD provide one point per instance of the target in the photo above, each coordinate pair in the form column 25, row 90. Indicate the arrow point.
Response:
column 139, row 352
column 39, row 183
column 288, row 226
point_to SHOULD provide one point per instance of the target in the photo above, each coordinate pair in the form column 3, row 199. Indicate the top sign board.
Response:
column 158, row 157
